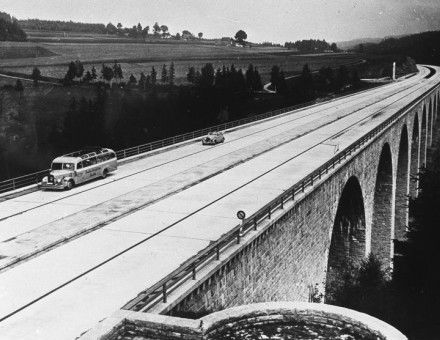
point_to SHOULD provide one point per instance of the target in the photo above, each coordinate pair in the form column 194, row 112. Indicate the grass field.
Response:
column 136, row 58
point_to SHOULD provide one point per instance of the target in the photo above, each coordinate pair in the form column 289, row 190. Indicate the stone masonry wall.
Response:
column 292, row 254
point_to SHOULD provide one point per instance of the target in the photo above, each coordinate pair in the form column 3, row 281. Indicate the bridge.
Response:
column 320, row 186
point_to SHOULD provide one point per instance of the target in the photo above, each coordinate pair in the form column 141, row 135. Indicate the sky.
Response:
column 263, row 20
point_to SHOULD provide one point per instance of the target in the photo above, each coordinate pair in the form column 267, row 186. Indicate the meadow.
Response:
column 141, row 57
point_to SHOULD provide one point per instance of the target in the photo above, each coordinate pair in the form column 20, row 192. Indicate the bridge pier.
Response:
column 402, row 187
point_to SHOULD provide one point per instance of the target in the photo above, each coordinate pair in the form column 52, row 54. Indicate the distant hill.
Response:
column 350, row 44
column 422, row 47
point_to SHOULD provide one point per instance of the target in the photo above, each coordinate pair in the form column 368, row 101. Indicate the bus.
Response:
column 79, row 167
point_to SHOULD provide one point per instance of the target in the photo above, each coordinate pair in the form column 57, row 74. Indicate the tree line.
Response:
column 10, row 29
column 151, row 107
column 423, row 47
column 148, row 107
column 311, row 46
column 309, row 85
column 136, row 31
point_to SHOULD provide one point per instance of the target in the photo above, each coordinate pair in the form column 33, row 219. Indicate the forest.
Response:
column 423, row 47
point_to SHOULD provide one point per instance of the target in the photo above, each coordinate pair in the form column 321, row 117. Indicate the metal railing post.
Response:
column 164, row 293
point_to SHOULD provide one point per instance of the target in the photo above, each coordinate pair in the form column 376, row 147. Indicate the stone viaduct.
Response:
column 359, row 208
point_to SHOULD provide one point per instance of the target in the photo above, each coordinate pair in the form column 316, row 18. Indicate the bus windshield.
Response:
column 64, row 166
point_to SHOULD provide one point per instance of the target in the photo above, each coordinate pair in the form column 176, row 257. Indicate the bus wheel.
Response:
column 104, row 173
column 70, row 184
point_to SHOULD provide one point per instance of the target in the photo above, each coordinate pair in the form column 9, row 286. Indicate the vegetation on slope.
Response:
column 423, row 47
column 410, row 300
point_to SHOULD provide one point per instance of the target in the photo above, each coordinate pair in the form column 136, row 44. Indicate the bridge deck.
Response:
column 155, row 213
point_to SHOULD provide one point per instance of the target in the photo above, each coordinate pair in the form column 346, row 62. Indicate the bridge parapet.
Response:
column 157, row 297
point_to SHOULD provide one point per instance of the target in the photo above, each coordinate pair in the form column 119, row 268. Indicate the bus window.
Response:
column 68, row 166
column 92, row 160
column 86, row 163
column 57, row 166
column 112, row 155
column 79, row 165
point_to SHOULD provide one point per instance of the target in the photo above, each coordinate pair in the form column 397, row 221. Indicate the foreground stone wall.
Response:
column 316, row 321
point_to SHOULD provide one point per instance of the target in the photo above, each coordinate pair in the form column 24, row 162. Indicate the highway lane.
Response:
column 190, row 234
column 38, row 238
column 30, row 211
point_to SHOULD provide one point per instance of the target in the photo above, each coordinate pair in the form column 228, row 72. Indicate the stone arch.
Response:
column 347, row 243
column 435, row 109
column 415, row 158
column 402, row 187
column 423, row 139
column 383, row 208
column 429, row 124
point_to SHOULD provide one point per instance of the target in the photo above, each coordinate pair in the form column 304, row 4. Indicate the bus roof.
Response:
column 77, row 156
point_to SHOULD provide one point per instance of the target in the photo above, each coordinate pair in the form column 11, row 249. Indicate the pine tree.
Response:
column 94, row 75
column 164, row 76
column 153, row 76
column 172, row 74
column 88, row 77
column 142, row 81
column 258, row 84
column 275, row 77
column 132, row 80
column 191, row 75
column 36, row 75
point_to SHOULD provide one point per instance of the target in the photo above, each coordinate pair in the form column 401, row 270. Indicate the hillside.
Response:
column 350, row 44
column 422, row 47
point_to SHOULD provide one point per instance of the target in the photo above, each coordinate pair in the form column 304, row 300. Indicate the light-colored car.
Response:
column 213, row 138
column 78, row 167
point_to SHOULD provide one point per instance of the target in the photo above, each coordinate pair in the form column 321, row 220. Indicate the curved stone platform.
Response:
column 286, row 320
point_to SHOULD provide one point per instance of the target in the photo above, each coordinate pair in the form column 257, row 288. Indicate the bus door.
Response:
column 80, row 173
column 92, row 170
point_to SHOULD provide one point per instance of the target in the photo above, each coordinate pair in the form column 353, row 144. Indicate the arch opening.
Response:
column 429, row 122
column 415, row 158
column 402, row 188
column 347, row 244
column 423, row 139
column 382, row 208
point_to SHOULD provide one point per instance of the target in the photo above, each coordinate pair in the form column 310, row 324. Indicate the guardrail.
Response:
column 188, row 270
column 36, row 177
column 22, row 181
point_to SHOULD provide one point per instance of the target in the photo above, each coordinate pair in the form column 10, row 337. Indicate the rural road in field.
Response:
column 27, row 79
column 156, row 212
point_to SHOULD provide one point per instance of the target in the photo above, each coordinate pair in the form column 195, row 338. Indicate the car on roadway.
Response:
column 79, row 167
column 214, row 137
